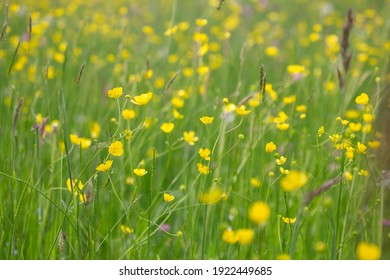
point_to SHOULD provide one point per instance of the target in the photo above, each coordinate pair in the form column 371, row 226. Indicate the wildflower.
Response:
column 126, row 230
column 167, row 127
column 294, row 180
column 206, row 120
column 128, row 114
column 368, row 118
column 177, row 102
column 281, row 160
column 320, row 131
column 284, row 257
column 142, row 99
column 177, row 115
column 270, row 147
column 368, row 251
column 179, row 234
column 271, row 51
column 242, row 111
column 168, row 197
column 115, row 92
column 229, row 236
column 245, row 236
column 282, row 126
column 355, row 127
column 80, row 141
column 189, row 137
column 95, row 130
column 211, row 196
column 75, row 186
column 204, row 169
column 289, row 221
column 374, row 144
column 348, row 176
column 349, row 152
column 301, row 108
column 204, row 153
column 116, row 149
column 127, row 134
column 335, row 138
column 352, row 114
column 362, row 99
column 255, row 182
column 361, row 148
column 283, row 171
column 140, row 172
column 103, row 167
column 363, row 172
column 201, row 22
column 319, row 246
column 289, row 99
column 259, row 212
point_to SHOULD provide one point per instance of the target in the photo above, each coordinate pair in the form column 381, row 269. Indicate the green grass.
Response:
column 75, row 52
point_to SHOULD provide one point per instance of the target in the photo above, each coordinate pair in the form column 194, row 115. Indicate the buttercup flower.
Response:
column 368, row 251
column 168, row 197
column 142, row 99
column 103, row 167
column 206, row 120
column 167, row 127
column 116, row 149
column 259, row 212
column 115, row 92
column 362, row 99
column 190, row 138
column 140, row 172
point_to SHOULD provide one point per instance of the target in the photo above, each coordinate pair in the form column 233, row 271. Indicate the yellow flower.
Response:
column 320, row 131
column 319, row 246
column 284, row 257
column 255, row 182
column 204, row 169
column 361, row 148
column 95, row 130
column 103, row 167
column 168, row 197
column 270, row 147
column 140, row 172
column 201, row 22
column 245, row 236
column 259, row 212
column 241, row 111
column 294, row 180
column 189, row 137
column 116, row 149
column 281, row 160
column 115, row 92
column 206, row 120
column 282, row 126
column 213, row 195
column 177, row 115
column 349, row 152
column 128, row 114
column 355, row 127
column 363, row 172
column 126, row 230
column 83, row 142
column 335, row 138
column 374, row 144
column 167, row 127
column 76, row 185
column 127, row 134
column 348, row 175
column 289, row 221
column 368, row 251
column 229, row 236
column 362, row 99
column 142, row 99
column 204, row 153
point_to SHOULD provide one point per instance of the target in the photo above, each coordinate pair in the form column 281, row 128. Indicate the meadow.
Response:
column 194, row 129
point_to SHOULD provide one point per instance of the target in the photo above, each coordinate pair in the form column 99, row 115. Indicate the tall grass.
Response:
column 266, row 72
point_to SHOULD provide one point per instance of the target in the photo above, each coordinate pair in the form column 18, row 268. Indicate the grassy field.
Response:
column 194, row 129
